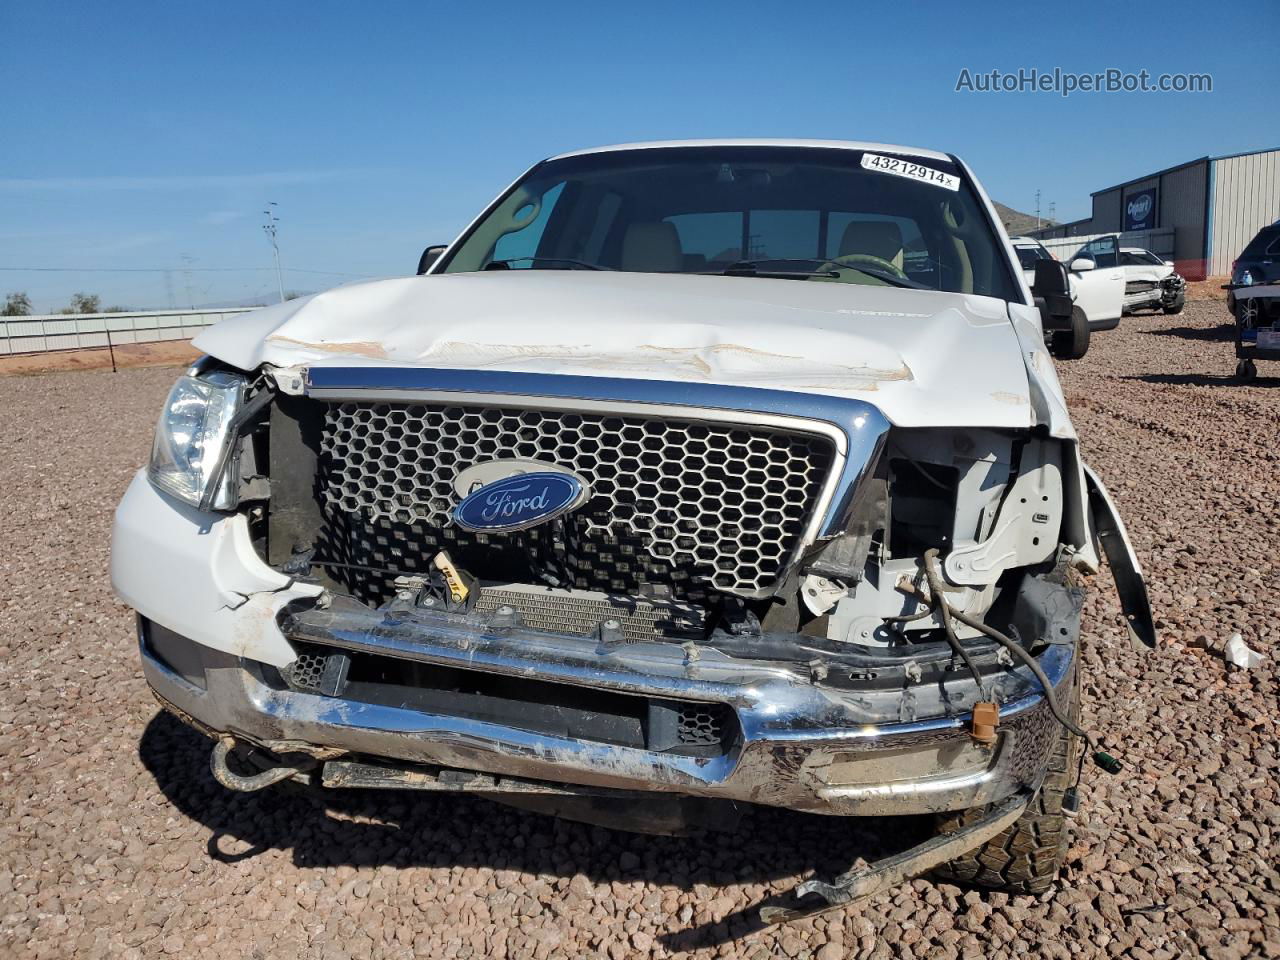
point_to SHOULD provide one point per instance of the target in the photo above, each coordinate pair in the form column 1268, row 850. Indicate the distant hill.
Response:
column 1016, row 222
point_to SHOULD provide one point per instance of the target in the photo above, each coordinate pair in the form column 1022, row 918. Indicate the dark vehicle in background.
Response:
column 1257, row 265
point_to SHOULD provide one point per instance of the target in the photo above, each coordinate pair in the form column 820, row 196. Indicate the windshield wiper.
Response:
column 506, row 264
column 748, row 268
column 892, row 279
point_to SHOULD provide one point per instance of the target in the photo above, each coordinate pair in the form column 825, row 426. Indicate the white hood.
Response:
column 924, row 358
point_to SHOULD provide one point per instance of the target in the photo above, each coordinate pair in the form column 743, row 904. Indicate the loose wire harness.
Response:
column 937, row 601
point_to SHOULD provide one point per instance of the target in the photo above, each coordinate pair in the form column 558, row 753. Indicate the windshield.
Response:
column 804, row 213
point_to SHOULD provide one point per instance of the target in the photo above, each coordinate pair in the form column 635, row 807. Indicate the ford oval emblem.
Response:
column 519, row 502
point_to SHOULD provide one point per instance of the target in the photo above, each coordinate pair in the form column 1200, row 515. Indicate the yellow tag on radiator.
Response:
column 457, row 589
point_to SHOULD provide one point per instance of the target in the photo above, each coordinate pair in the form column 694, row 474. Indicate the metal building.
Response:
column 1200, row 213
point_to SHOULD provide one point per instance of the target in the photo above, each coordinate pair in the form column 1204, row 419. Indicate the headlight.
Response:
column 191, row 435
column 1246, row 278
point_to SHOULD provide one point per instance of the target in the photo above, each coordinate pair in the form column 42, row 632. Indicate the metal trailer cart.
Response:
column 1257, row 314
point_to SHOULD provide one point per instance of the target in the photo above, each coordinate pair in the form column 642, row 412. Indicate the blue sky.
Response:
column 140, row 134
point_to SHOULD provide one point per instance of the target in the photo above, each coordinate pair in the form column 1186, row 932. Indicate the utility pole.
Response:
column 269, row 228
column 186, row 277
column 1037, row 209
column 1053, row 211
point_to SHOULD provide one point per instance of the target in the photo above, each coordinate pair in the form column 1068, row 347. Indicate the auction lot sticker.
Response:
column 912, row 171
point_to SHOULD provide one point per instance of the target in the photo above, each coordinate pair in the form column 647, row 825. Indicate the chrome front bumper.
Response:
column 801, row 743
column 803, row 740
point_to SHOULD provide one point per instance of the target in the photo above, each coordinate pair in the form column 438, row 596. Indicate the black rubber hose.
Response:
column 911, row 617
column 944, row 609
column 1104, row 760
column 1020, row 652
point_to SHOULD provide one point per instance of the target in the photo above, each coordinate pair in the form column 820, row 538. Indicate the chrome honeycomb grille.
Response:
column 687, row 504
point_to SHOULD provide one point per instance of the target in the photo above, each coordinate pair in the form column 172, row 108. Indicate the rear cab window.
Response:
column 1028, row 255
column 1267, row 241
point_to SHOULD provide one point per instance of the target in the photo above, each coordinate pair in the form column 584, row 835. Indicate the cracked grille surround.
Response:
column 687, row 503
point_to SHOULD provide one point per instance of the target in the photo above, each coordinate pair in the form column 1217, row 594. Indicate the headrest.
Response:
column 652, row 248
column 879, row 238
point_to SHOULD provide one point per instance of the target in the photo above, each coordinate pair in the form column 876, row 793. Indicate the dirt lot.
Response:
column 115, row 841
column 125, row 355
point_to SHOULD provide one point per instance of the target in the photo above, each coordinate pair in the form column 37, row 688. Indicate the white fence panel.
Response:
column 45, row 334
column 1159, row 242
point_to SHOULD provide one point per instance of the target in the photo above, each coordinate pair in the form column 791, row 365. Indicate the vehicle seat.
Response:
column 879, row 238
column 652, row 248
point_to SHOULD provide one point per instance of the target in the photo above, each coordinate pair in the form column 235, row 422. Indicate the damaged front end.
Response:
column 1173, row 292
column 761, row 596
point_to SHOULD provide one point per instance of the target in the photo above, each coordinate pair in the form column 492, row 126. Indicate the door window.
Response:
column 1104, row 252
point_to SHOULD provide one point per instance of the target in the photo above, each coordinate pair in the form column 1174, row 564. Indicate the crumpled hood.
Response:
column 924, row 358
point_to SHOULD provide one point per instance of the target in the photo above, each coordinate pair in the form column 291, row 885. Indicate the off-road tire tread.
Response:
column 1074, row 343
column 1025, row 857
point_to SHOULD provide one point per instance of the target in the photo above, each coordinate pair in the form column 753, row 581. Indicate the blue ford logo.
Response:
column 519, row 502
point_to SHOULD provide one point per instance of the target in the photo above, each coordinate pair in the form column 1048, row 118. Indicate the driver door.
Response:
column 1100, row 291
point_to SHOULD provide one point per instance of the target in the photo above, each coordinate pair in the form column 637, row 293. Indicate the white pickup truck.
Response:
column 690, row 475
column 1097, row 279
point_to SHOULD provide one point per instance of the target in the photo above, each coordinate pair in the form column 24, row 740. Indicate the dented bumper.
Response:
column 794, row 743
column 221, row 632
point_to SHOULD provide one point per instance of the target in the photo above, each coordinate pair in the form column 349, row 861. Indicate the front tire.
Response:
column 1026, row 857
column 1074, row 343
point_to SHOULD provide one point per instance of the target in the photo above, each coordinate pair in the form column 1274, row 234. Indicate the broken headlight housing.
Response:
column 191, row 436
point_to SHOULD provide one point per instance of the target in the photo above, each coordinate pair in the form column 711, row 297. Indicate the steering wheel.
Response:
column 854, row 259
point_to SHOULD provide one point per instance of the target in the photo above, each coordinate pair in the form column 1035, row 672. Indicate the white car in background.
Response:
column 1097, row 280
column 1151, row 282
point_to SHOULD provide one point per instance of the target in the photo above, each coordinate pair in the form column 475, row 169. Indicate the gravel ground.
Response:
column 115, row 841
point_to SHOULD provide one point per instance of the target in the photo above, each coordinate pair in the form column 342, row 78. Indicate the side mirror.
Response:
column 430, row 256
column 1052, row 292
column 1169, row 263
column 1082, row 264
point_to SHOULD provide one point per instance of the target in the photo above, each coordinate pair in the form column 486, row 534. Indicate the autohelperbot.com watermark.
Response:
column 1066, row 82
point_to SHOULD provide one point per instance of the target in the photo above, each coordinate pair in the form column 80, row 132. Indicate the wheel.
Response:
column 1025, row 858
column 1074, row 343
column 1174, row 308
column 1246, row 370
